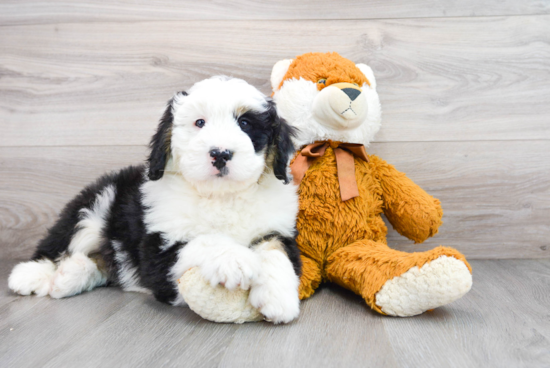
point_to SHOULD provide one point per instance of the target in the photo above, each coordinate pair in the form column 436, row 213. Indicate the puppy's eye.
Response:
column 200, row 123
column 322, row 81
column 243, row 123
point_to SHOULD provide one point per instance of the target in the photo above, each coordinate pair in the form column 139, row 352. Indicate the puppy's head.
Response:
column 221, row 136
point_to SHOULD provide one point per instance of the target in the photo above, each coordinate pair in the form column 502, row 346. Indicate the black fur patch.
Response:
column 155, row 267
column 283, row 149
column 269, row 129
column 290, row 246
column 59, row 235
column 259, row 128
column 124, row 222
column 160, row 143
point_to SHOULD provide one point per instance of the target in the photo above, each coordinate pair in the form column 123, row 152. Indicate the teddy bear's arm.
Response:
column 411, row 211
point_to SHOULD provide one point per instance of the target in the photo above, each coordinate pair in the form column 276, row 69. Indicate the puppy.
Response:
column 211, row 195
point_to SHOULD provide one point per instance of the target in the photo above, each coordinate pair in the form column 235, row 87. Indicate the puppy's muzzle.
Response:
column 220, row 158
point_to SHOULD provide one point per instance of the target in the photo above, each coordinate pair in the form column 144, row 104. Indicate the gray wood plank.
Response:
column 502, row 322
column 518, row 283
column 335, row 329
column 33, row 12
column 493, row 326
column 5, row 268
column 140, row 335
column 34, row 330
column 495, row 195
column 37, row 182
column 443, row 79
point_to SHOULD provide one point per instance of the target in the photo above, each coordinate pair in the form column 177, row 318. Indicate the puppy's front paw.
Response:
column 278, row 305
column 235, row 267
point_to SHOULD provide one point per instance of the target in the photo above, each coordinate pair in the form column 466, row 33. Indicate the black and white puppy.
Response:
column 212, row 196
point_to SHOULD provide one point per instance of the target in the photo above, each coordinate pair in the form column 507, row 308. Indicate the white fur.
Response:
column 127, row 273
column 278, row 72
column 275, row 291
column 166, row 244
column 437, row 283
column 221, row 261
column 177, row 209
column 270, row 289
column 77, row 273
column 74, row 275
column 367, row 71
column 88, row 237
column 218, row 217
column 217, row 101
column 295, row 101
column 333, row 109
column 32, row 277
column 179, row 302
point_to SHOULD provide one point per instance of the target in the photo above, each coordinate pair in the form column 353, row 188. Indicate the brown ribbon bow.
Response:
column 344, row 153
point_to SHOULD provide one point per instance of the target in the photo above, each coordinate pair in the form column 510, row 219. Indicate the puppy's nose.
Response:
column 218, row 154
column 220, row 157
column 351, row 92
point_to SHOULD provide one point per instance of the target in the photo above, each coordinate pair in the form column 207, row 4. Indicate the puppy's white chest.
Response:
column 180, row 214
column 228, row 216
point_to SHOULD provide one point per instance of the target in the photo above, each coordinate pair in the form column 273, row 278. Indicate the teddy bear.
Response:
column 343, row 192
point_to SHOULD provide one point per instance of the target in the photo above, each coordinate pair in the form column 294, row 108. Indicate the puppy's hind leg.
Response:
column 79, row 231
column 77, row 272
column 70, row 276
column 32, row 277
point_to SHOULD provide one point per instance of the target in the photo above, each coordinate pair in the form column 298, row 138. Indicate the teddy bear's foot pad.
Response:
column 436, row 283
column 216, row 304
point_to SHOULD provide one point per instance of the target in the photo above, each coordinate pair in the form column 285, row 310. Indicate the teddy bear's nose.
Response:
column 351, row 92
column 340, row 106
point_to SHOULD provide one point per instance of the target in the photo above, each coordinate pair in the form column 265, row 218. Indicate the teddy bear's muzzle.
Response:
column 340, row 106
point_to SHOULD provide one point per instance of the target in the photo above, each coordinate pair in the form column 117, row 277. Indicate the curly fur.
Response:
column 345, row 241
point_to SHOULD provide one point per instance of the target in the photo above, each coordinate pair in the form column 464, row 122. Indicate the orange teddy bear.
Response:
column 343, row 192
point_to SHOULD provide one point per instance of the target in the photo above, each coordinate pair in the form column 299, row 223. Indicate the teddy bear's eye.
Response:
column 322, row 81
column 355, row 84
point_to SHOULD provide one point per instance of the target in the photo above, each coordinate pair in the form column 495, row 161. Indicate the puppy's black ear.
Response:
column 282, row 144
column 160, row 143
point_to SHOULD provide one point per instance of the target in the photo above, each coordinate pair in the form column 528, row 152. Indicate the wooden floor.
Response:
column 465, row 90
column 503, row 322
column 464, row 86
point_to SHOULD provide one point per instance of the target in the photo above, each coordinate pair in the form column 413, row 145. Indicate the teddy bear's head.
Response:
column 327, row 97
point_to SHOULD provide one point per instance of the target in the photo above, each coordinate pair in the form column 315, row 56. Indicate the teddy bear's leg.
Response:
column 311, row 277
column 398, row 283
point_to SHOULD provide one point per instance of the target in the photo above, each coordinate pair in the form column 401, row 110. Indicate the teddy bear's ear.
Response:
column 365, row 69
column 278, row 72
